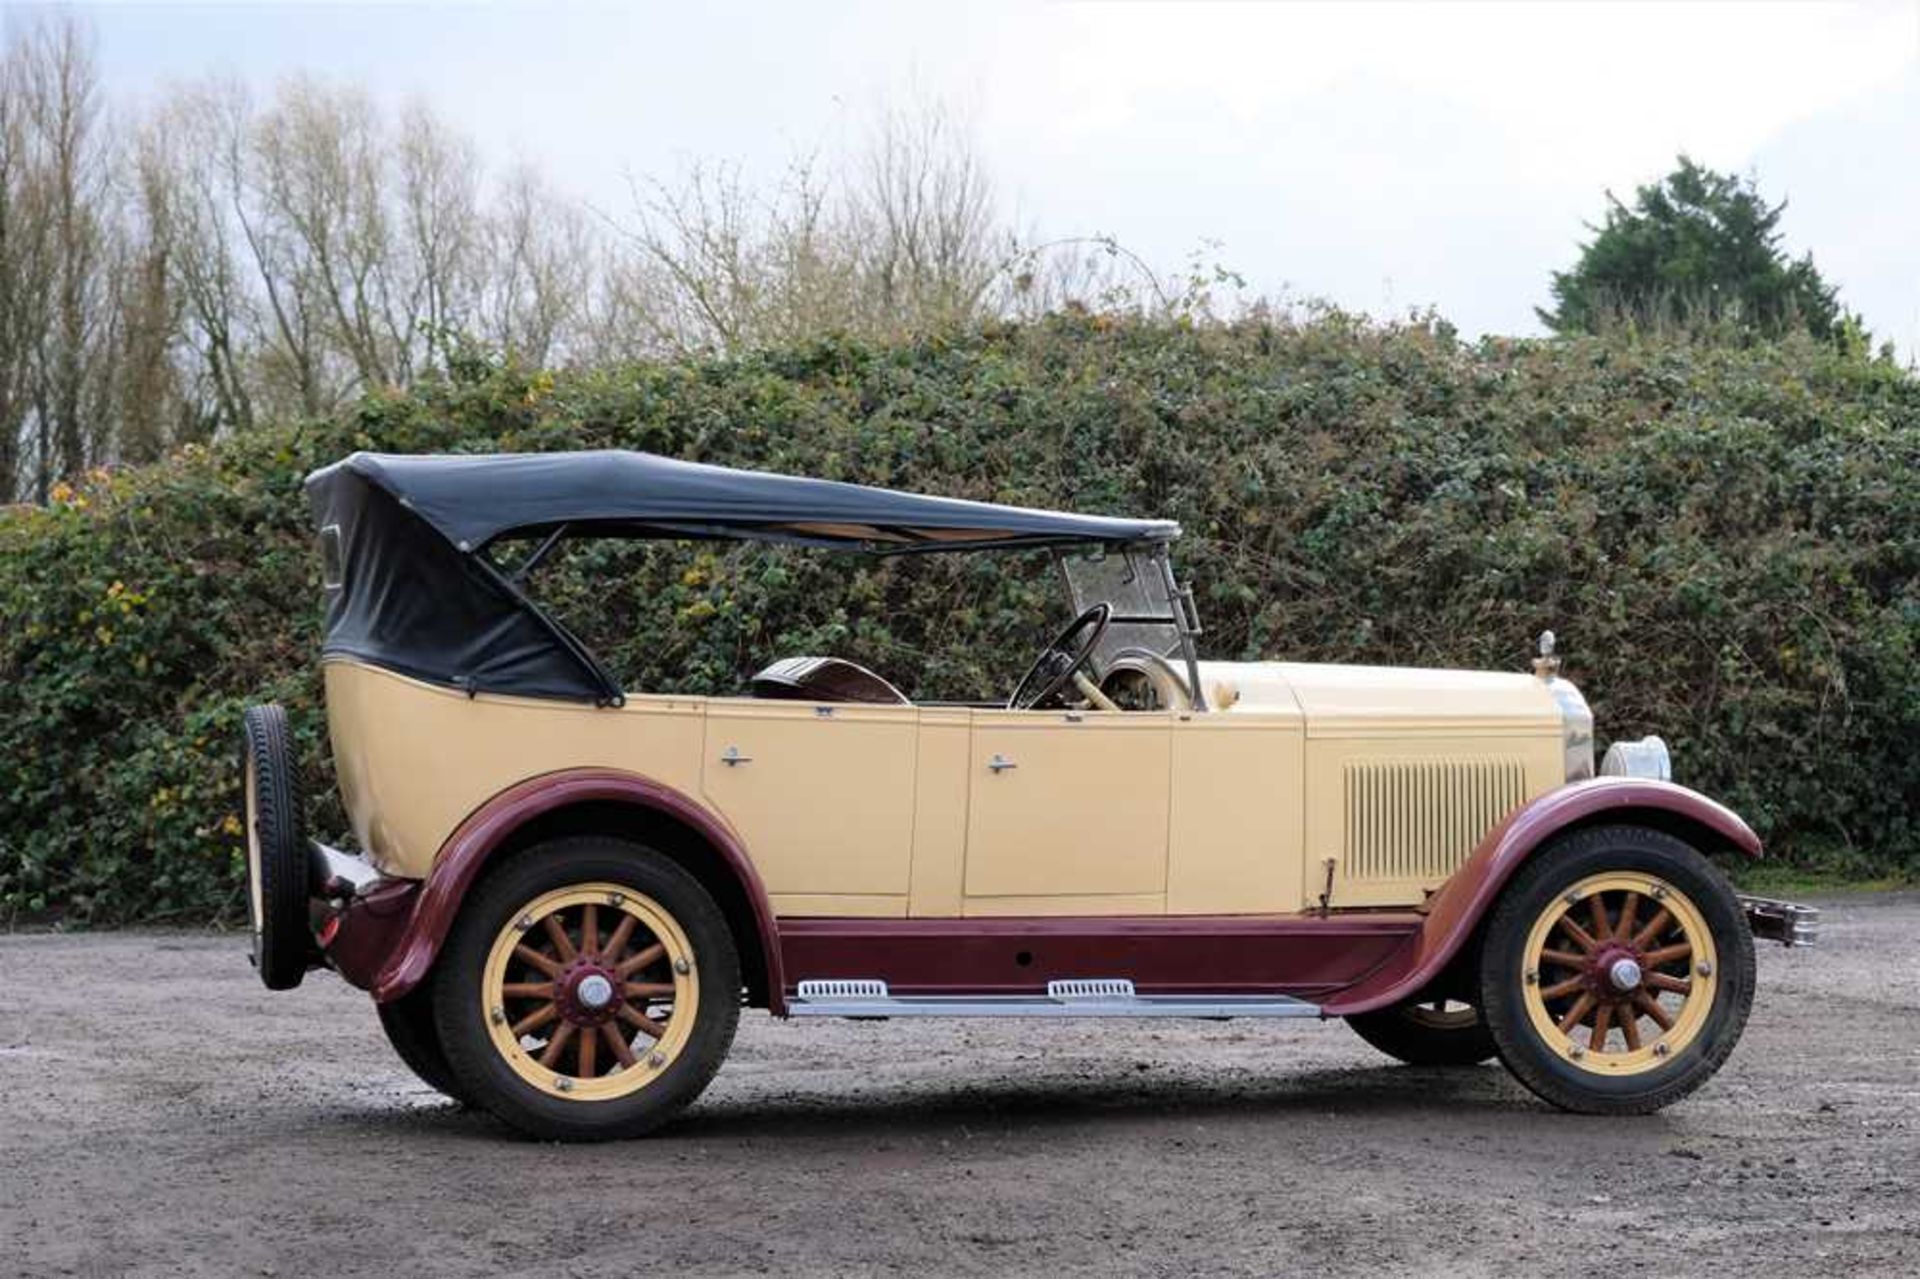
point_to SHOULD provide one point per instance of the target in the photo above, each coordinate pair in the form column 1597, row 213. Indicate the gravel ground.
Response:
column 163, row 1114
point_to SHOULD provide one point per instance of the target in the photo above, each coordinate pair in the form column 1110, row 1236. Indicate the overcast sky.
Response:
column 1379, row 155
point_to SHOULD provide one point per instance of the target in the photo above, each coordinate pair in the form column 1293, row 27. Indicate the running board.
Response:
column 1098, row 997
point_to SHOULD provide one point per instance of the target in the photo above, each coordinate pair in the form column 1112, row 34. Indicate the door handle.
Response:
column 1000, row 764
column 732, row 756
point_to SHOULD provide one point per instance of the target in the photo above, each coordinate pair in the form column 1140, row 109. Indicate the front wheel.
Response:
column 1428, row 1032
column 1617, row 972
column 588, row 990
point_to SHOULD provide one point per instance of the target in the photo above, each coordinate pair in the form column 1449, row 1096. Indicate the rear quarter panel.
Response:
column 413, row 759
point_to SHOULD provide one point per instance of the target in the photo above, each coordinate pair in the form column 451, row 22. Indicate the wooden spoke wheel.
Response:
column 1431, row 1030
column 1441, row 1014
column 591, row 991
column 1620, row 973
column 408, row 1023
column 1616, row 971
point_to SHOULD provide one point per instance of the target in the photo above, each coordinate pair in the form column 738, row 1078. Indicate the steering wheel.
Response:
column 1060, row 660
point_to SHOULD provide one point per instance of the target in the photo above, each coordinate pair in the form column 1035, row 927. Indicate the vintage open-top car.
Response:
column 565, row 891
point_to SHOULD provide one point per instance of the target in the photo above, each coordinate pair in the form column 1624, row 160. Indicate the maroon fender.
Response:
column 359, row 940
column 1456, row 910
column 466, row 851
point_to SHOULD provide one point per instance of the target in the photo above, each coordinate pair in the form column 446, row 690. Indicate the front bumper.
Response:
column 1788, row 923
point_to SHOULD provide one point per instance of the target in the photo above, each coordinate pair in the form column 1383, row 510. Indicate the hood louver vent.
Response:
column 1418, row 819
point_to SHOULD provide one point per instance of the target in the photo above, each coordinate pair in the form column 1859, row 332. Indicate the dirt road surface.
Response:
column 164, row 1114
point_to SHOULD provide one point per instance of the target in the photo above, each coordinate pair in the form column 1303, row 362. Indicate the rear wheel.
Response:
column 1618, row 971
column 410, row 1028
column 1428, row 1032
column 589, row 990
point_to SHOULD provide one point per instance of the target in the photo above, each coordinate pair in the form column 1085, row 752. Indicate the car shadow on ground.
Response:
column 1106, row 1100
column 1448, row 1099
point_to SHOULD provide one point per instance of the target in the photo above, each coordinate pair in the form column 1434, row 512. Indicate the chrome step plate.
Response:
column 1082, row 997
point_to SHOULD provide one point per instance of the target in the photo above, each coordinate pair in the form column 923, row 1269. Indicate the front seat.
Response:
column 825, row 679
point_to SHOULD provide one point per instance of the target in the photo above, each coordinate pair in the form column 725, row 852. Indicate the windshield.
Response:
column 1136, row 585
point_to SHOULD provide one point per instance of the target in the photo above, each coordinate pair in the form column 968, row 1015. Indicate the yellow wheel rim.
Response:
column 255, row 893
column 1620, row 974
column 1441, row 1014
column 590, row 992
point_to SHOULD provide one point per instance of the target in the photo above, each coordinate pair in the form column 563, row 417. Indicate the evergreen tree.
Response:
column 1697, row 249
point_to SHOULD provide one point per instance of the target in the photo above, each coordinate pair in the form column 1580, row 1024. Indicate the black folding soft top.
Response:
column 408, row 588
column 473, row 500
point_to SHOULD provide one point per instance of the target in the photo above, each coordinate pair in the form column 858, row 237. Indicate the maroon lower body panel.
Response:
column 1306, row 957
column 360, row 939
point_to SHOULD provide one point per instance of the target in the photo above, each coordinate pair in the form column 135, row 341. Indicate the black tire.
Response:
column 1554, row 1075
column 1419, row 1035
column 410, row 1028
column 283, row 942
column 483, row 1071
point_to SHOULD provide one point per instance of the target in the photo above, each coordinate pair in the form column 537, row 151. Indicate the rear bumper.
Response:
column 334, row 874
column 358, row 914
column 1788, row 923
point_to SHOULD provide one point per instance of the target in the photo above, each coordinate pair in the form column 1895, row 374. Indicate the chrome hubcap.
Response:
column 595, row 991
column 1625, row 974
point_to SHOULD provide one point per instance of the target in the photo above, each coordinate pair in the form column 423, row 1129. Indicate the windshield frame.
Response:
column 1149, row 569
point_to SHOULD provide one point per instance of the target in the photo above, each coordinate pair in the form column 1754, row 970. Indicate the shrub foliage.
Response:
column 1726, row 541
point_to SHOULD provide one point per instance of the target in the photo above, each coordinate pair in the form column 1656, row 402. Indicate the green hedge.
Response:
column 1727, row 542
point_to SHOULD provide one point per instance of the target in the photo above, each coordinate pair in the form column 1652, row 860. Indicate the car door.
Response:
column 1067, row 813
column 822, row 796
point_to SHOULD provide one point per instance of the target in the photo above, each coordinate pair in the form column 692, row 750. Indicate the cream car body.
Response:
column 1390, row 776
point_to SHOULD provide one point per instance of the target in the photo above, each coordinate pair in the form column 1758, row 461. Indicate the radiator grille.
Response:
column 1420, row 818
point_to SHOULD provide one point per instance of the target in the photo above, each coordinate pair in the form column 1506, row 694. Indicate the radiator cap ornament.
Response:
column 1546, row 666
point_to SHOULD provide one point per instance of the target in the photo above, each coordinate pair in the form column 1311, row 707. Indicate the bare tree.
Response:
column 904, row 237
column 535, row 296
column 213, row 263
column 692, row 283
column 150, row 410
column 319, row 158
column 434, row 283
column 295, row 373
column 77, row 348
column 23, row 268
column 316, row 250
column 191, row 161
column 922, row 221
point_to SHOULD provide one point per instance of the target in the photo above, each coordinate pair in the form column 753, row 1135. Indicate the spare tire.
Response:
column 276, row 851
